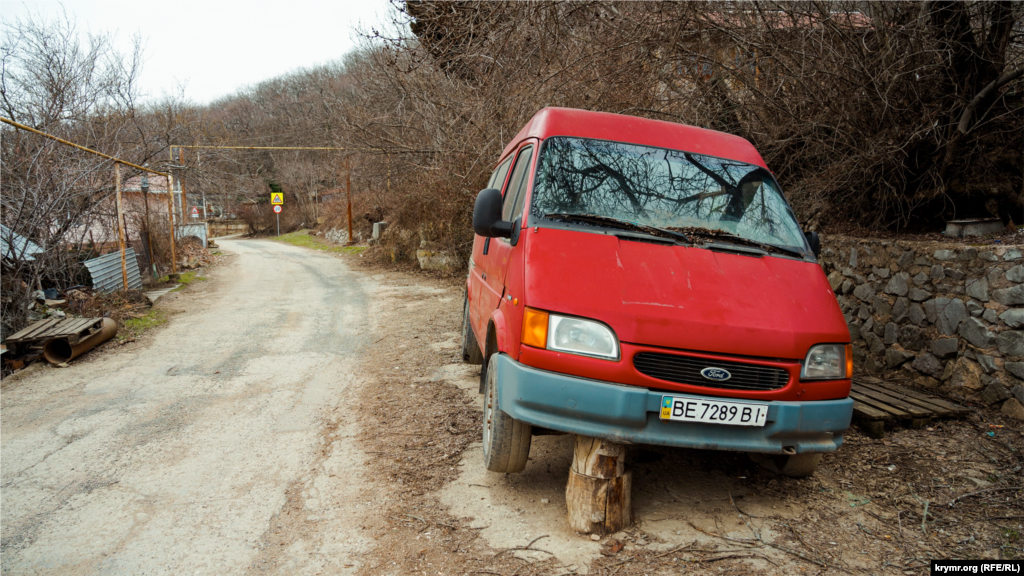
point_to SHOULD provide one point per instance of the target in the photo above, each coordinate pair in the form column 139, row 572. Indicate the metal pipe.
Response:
column 72, row 144
column 60, row 350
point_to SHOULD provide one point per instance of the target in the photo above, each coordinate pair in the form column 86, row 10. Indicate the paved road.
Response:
column 221, row 445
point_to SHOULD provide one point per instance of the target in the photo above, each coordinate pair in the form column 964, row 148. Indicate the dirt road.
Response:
column 301, row 414
column 178, row 455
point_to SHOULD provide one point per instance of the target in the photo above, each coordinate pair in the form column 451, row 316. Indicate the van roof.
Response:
column 550, row 122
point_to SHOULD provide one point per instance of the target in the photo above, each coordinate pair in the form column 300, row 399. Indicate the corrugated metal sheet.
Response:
column 106, row 271
column 23, row 247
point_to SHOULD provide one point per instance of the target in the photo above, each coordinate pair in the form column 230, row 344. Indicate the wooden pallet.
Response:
column 876, row 402
column 37, row 334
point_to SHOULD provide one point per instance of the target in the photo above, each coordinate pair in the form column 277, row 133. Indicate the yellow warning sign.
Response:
column 277, row 197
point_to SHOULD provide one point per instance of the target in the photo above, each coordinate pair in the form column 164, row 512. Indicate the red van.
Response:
column 647, row 282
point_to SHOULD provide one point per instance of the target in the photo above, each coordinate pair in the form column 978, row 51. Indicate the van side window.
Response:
column 516, row 184
column 498, row 177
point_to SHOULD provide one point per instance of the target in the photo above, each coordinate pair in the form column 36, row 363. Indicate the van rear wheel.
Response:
column 506, row 440
column 470, row 347
column 792, row 465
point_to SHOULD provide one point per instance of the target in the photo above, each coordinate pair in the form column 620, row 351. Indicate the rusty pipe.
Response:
column 60, row 350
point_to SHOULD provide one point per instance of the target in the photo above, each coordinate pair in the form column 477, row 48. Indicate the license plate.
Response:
column 692, row 409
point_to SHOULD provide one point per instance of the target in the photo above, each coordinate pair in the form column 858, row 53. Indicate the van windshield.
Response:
column 662, row 188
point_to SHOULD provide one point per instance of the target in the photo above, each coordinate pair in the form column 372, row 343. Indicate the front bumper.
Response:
column 631, row 414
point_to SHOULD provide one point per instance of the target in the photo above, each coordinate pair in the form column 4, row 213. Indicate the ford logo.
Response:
column 716, row 374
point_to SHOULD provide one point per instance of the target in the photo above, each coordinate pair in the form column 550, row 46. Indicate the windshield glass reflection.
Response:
column 663, row 188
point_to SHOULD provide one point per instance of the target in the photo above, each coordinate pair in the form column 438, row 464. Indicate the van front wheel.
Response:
column 506, row 440
column 793, row 465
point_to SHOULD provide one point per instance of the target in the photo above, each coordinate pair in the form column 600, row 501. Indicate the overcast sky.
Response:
column 215, row 47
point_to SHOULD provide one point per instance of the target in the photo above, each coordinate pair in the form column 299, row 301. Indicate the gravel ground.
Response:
column 304, row 413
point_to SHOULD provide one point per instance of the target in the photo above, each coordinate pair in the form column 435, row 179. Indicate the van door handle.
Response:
column 484, row 276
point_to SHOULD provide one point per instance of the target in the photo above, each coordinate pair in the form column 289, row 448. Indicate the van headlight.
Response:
column 569, row 334
column 828, row 362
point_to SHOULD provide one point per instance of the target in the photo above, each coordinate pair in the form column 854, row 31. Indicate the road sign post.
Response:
column 277, row 213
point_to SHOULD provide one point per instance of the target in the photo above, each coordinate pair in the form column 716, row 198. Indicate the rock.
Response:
column 864, row 292
column 947, row 372
column 853, row 257
column 875, row 343
column 894, row 357
column 1018, row 392
column 863, row 312
column 954, row 274
column 944, row 255
column 900, row 309
column 898, row 284
column 988, row 365
column 919, row 295
column 871, row 366
column 1014, row 317
column 920, row 279
column 990, row 316
column 378, row 230
column 1012, row 254
column 911, row 337
column 994, row 392
column 847, row 287
column 923, row 261
column 966, row 374
column 430, row 260
column 905, row 260
column 937, row 273
column 1013, row 408
column 1015, row 274
column 891, row 334
column 880, row 305
column 1015, row 368
column 854, row 332
column 994, row 276
column 978, row 289
column 917, row 315
column 1012, row 296
column 881, row 272
column 1011, row 342
column 928, row 364
column 835, row 280
column 867, row 326
column 967, row 255
column 974, row 309
column 946, row 314
column 945, row 347
column 988, row 256
column 975, row 332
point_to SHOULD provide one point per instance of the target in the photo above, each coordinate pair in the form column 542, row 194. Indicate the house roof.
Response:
column 635, row 130
column 14, row 246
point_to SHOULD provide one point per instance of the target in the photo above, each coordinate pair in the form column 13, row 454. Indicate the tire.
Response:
column 470, row 347
column 506, row 440
column 794, row 465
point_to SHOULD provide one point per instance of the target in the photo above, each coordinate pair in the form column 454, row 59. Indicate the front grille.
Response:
column 686, row 370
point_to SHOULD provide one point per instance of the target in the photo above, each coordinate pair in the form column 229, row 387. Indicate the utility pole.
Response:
column 149, row 238
column 348, row 193
column 120, row 224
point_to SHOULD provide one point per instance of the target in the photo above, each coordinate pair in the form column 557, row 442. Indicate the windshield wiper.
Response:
column 730, row 237
column 620, row 224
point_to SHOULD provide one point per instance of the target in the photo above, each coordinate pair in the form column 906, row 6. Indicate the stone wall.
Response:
column 948, row 316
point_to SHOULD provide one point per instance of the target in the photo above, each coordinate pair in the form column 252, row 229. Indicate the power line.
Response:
column 80, row 147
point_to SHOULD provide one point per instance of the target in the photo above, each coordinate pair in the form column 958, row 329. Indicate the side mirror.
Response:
column 815, row 241
column 487, row 220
